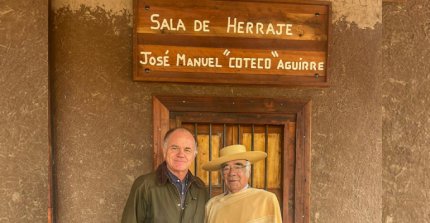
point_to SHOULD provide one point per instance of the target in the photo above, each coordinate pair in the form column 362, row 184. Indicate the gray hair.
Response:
column 171, row 131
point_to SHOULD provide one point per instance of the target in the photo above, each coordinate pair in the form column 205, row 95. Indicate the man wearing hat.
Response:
column 240, row 203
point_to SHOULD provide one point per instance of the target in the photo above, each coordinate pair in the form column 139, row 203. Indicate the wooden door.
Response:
column 279, row 127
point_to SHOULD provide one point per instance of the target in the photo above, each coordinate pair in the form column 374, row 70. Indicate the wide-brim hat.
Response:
column 234, row 152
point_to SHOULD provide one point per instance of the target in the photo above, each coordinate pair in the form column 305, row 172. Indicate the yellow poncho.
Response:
column 246, row 206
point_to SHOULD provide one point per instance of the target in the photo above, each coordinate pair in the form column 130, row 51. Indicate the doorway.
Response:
column 279, row 127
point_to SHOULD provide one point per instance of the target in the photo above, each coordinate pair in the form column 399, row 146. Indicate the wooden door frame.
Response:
column 163, row 105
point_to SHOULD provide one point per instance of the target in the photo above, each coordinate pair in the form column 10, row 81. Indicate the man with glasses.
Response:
column 240, row 203
column 171, row 193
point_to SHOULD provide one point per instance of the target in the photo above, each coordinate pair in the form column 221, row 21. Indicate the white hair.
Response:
column 248, row 169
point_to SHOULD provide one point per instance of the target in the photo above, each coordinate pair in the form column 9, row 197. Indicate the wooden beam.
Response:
column 161, row 126
column 394, row 1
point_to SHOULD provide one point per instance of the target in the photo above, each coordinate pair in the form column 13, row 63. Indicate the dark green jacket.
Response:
column 153, row 198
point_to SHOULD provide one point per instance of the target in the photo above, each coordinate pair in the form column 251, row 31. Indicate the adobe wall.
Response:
column 103, row 118
column 23, row 111
column 406, row 102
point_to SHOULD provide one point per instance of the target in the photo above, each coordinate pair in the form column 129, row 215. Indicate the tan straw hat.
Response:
column 233, row 152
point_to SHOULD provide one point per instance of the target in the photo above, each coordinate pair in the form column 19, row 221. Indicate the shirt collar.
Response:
column 244, row 188
column 175, row 179
column 162, row 175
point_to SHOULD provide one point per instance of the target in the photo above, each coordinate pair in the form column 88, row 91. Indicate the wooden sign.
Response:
column 231, row 42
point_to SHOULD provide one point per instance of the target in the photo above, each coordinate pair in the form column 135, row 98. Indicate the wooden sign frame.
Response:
column 279, row 43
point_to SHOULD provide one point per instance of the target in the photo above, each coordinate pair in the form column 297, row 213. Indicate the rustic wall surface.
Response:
column 406, row 117
column 23, row 110
column 103, row 118
column 366, row 14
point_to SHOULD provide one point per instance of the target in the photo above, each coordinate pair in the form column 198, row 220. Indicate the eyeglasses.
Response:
column 236, row 168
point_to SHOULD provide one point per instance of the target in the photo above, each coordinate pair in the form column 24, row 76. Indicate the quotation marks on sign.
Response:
column 226, row 52
column 274, row 53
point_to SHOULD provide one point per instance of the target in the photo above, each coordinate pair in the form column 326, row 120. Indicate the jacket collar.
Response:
column 163, row 178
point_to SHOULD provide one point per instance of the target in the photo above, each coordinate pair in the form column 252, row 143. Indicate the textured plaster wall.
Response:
column 406, row 117
column 23, row 110
column 346, row 131
column 103, row 119
column 363, row 13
